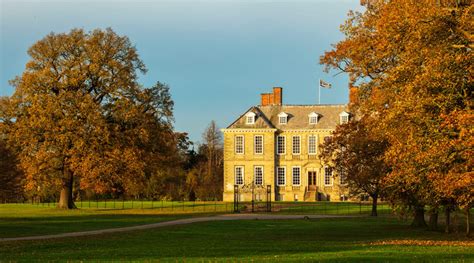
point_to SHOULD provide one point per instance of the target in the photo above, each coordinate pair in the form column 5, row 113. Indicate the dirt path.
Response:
column 172, row 223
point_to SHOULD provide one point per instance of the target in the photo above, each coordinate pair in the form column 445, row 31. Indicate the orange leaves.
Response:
column 79, row 109
column 413, row 70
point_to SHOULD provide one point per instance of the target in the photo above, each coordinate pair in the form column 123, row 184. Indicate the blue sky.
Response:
column 216, row 56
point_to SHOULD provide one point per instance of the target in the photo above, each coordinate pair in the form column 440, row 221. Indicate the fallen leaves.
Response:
column 412, row 242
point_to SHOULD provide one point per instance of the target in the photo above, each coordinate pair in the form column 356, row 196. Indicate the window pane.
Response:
column 250, row 120
column 327, row 175
column 258, row 175
column 258, row 144
column 342, row 178
column 281, row 145
column 281, row 176
column 239, row 175
column 239, row 144
column 296, row 176
column 312, row 144
column 344, row 119
column 296, row 145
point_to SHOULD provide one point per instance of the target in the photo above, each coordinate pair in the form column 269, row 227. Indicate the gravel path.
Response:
column 173, row 223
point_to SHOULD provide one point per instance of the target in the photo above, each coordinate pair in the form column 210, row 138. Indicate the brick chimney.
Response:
column 274, row 98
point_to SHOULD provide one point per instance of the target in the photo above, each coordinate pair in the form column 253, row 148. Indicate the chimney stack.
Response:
column 274, row 98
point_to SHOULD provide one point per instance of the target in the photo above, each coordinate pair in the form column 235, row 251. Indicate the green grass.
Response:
column 40, row 219
column 329, row 208
column 29, row 220
column 342, row 239
column 163, row 206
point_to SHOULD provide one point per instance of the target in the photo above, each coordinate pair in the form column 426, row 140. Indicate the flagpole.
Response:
column 319, row 88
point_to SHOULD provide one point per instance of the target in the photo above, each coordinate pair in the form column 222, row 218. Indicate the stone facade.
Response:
column 292, row 168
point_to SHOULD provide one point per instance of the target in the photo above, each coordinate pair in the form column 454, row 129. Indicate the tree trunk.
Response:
column 448, row 220
column 468, row 222
column 374, row 205
column 433, row 223
column 65, row 198
column 419, row 219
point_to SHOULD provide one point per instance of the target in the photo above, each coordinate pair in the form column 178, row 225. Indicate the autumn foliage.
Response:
column 356, row 153
column 81, row 121
column 412, row 65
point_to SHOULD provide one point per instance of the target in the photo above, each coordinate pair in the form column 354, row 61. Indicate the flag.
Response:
column 324, row 84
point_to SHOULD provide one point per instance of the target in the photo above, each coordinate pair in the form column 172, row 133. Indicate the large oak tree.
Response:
column 81, row 116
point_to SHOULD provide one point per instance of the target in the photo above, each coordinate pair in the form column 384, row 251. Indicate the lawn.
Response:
column 162, row 206
column 329, row 208
column 29, row 220
column 343, row 239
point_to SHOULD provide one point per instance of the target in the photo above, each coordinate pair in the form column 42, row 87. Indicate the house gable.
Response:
column 261, row 121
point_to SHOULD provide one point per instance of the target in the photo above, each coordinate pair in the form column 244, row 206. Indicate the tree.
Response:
column 358, row 155
column 10, row 176
column 81, row 116
column 213, row 149
column 205, row 173
column 411, row 63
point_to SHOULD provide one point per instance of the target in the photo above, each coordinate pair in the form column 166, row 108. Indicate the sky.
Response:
column 216, row 56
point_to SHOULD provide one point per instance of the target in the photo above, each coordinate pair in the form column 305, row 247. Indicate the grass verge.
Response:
column 341, row 239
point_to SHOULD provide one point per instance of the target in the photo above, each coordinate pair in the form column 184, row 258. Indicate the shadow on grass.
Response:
column 261, row 240
column 46, row 225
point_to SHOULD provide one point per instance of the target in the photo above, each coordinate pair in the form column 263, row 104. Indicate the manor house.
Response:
column 277, row 145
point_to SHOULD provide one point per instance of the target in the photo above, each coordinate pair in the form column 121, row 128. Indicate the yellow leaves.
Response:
column 423, row 243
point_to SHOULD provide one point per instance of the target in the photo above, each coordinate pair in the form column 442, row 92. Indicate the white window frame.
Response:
column 293, row 175
column 343, row 117
column 255, row 168
column 284, row 145
column 293, row 144
column 313, row 118
column 330, row 176
column 255, row 144
column 243, row 144
column 278, row 175
column 250, row 118
column 315, row 144
column 242, row 168
column 282, row 116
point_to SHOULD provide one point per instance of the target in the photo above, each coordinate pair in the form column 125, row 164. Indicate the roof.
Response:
column 267, row 117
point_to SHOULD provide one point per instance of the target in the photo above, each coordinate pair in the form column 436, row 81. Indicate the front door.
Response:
column 311, row 181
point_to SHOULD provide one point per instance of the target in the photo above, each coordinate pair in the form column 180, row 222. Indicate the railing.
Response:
column 180, row 207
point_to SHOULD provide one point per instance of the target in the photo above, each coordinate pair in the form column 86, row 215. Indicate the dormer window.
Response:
column 344, row 117
column 282, row 118
column 250, row 118
column 313, row 118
